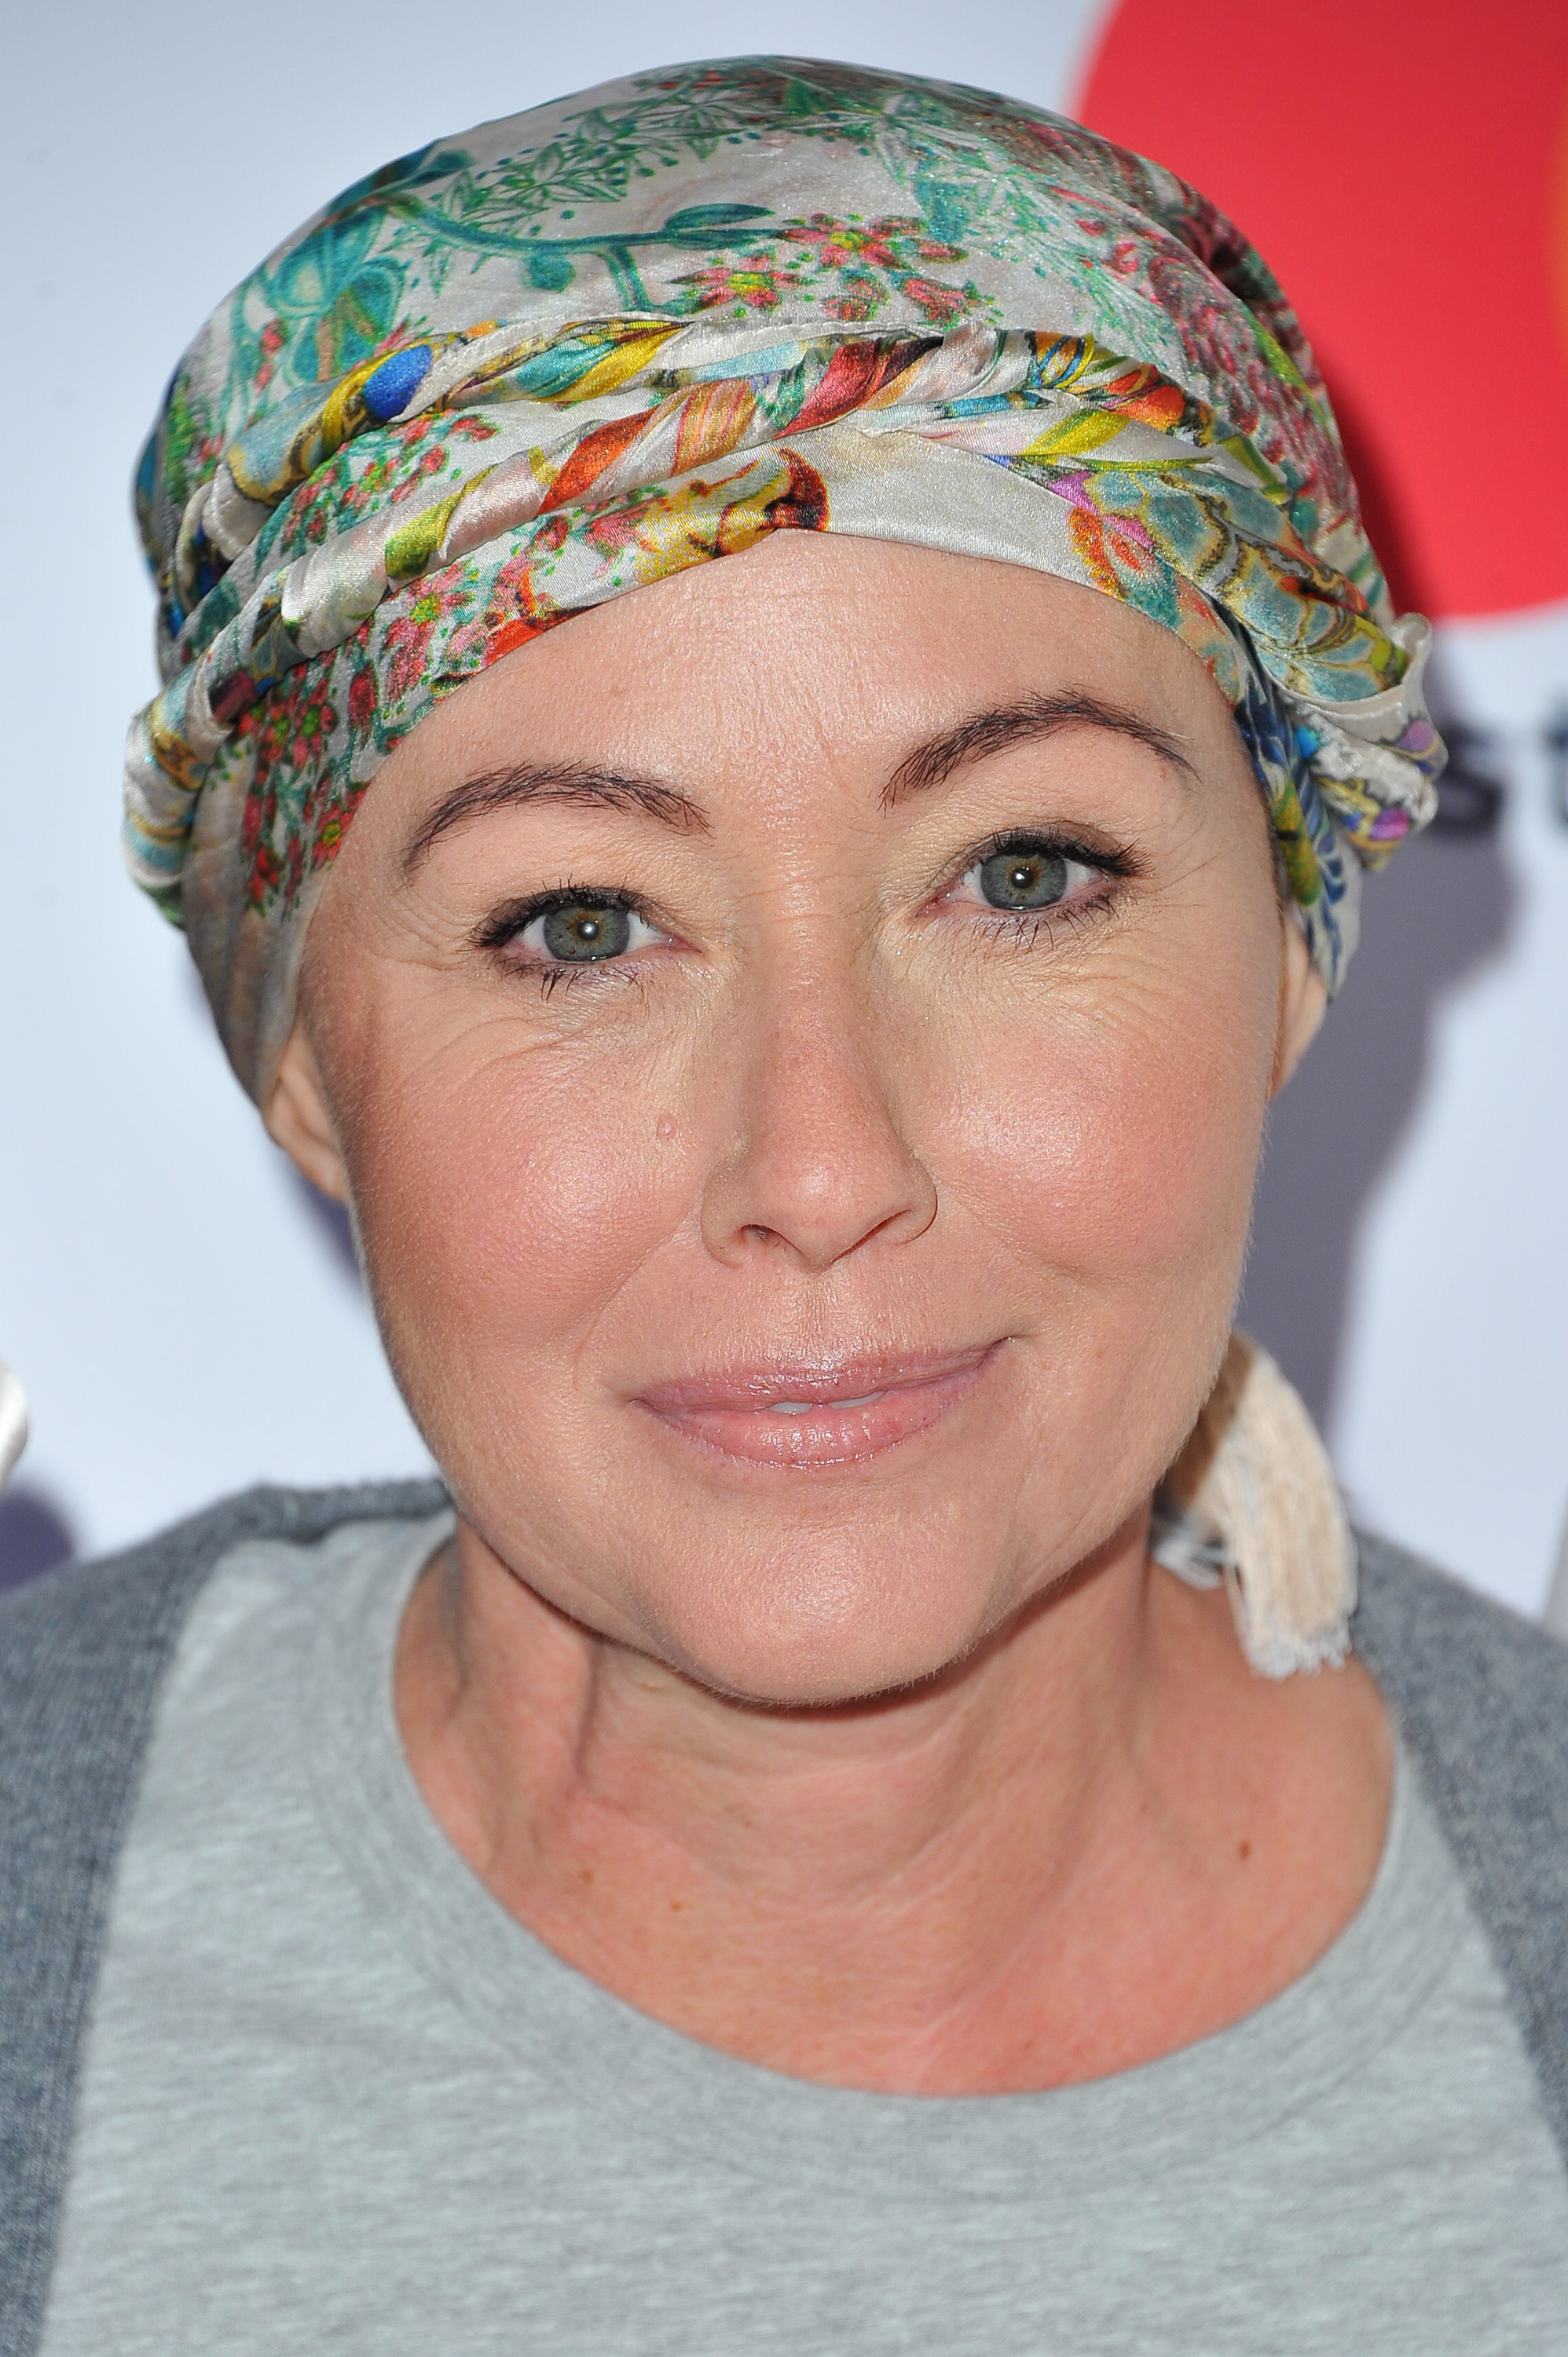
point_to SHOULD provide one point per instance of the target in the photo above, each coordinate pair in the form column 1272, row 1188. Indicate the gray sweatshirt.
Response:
column 107, row 1831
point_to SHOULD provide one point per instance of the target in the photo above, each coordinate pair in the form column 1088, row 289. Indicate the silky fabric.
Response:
column 513, row 375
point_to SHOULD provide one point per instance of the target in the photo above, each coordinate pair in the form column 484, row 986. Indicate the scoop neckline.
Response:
column 551, row 2021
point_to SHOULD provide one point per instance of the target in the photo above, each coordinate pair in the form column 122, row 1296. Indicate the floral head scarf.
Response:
column 508, row 377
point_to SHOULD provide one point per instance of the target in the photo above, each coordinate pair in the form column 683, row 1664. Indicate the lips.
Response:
column 820, row 1414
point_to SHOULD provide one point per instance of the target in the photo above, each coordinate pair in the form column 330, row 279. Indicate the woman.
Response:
column 859, row 1826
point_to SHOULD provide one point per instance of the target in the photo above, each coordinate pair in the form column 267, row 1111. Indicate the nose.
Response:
column 819, row 1166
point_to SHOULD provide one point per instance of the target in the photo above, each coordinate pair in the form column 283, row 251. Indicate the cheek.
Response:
column 1111, row 1133
column 504, row 1196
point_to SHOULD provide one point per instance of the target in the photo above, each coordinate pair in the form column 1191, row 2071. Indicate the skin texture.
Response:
column 885, row 1758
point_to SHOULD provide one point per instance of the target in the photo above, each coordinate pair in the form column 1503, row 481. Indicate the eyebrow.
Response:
column 552, row 781
column 931, row 764
column 984, row 733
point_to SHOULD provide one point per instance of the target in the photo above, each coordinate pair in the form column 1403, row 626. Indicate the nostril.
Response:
column 819, row 1179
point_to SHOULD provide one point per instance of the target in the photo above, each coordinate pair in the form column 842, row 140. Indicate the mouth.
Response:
column 824, row 1415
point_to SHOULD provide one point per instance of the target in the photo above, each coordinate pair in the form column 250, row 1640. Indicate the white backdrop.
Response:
column 185, row 1315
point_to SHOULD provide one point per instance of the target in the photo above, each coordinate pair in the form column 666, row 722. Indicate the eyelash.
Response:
column 1111, row 865
column 503, row 928
column 1118, row 860
column 1023, row 927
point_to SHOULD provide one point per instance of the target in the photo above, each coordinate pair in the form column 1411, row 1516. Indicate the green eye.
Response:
column 571, row 928
column 1024, row 878
column 585, row 931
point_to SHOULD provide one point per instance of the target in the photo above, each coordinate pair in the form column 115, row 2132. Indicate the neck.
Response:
column 1009, row 1877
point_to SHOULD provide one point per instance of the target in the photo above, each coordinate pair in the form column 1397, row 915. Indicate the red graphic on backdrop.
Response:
column 1404, row 169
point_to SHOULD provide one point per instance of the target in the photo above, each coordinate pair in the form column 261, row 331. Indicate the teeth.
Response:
column 804, row 1408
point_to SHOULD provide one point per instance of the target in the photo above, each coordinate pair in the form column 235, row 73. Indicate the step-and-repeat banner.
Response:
column 188, row 1318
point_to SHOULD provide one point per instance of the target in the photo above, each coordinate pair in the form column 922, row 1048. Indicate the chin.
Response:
column 811, row 1625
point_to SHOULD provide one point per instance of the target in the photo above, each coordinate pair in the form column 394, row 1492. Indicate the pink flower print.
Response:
column 839, row 246
column 756, row 282
column 612, row 532
column 361, row 701
column 325, row 847
column 465, row 649
column 273, row 339
column 884, row 244
column 406, row 641
column 552, row 533
column 861, row 297
column 251, row 822
column 431, row 462
column 265, row 876
column 935, row 302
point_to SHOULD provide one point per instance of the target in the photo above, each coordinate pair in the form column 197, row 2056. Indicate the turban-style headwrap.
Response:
column 509, row 377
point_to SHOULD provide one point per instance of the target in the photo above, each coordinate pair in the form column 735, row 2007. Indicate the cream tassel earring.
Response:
column 1252, row 1500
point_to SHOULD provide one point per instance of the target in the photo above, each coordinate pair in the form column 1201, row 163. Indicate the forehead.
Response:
column 860, row 648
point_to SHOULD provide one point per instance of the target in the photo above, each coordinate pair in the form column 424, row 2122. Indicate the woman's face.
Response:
column 797, row 1041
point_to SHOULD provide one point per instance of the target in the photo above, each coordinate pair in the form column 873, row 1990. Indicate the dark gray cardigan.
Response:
column 1482, row 1698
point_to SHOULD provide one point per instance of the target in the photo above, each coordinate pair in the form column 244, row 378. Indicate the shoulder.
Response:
column 83, row 1651
column 1485, row 1689
column 83, row 1658
column 103, row 1621
column 1481, row 1698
